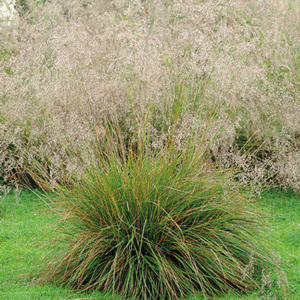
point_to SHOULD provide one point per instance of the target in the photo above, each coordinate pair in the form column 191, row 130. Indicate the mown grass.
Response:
column 24, row 228
column 25, row 221
column 284, row 224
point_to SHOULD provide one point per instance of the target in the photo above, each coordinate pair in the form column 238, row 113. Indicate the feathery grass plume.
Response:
column 242, row 55
column 155, row 224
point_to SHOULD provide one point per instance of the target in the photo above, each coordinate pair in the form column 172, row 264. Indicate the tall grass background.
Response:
column 183, row 59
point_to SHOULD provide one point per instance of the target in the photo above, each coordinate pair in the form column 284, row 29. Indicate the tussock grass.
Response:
column 156, row 224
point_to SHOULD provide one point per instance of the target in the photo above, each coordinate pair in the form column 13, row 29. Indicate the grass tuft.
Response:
column 156, row 224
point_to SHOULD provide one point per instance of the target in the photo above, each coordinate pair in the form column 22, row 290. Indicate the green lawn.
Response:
column 24, row 224
column 25, row 221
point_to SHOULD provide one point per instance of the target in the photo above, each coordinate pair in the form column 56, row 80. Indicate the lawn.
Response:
column 24, row 225
column 25, row 221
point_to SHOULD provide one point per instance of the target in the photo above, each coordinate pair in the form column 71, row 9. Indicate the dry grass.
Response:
column 183, row 59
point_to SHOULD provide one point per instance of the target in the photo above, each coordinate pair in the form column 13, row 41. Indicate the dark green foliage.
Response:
column 22, row 7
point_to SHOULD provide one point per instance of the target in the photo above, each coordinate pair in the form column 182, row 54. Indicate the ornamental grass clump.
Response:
column 156, row 224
